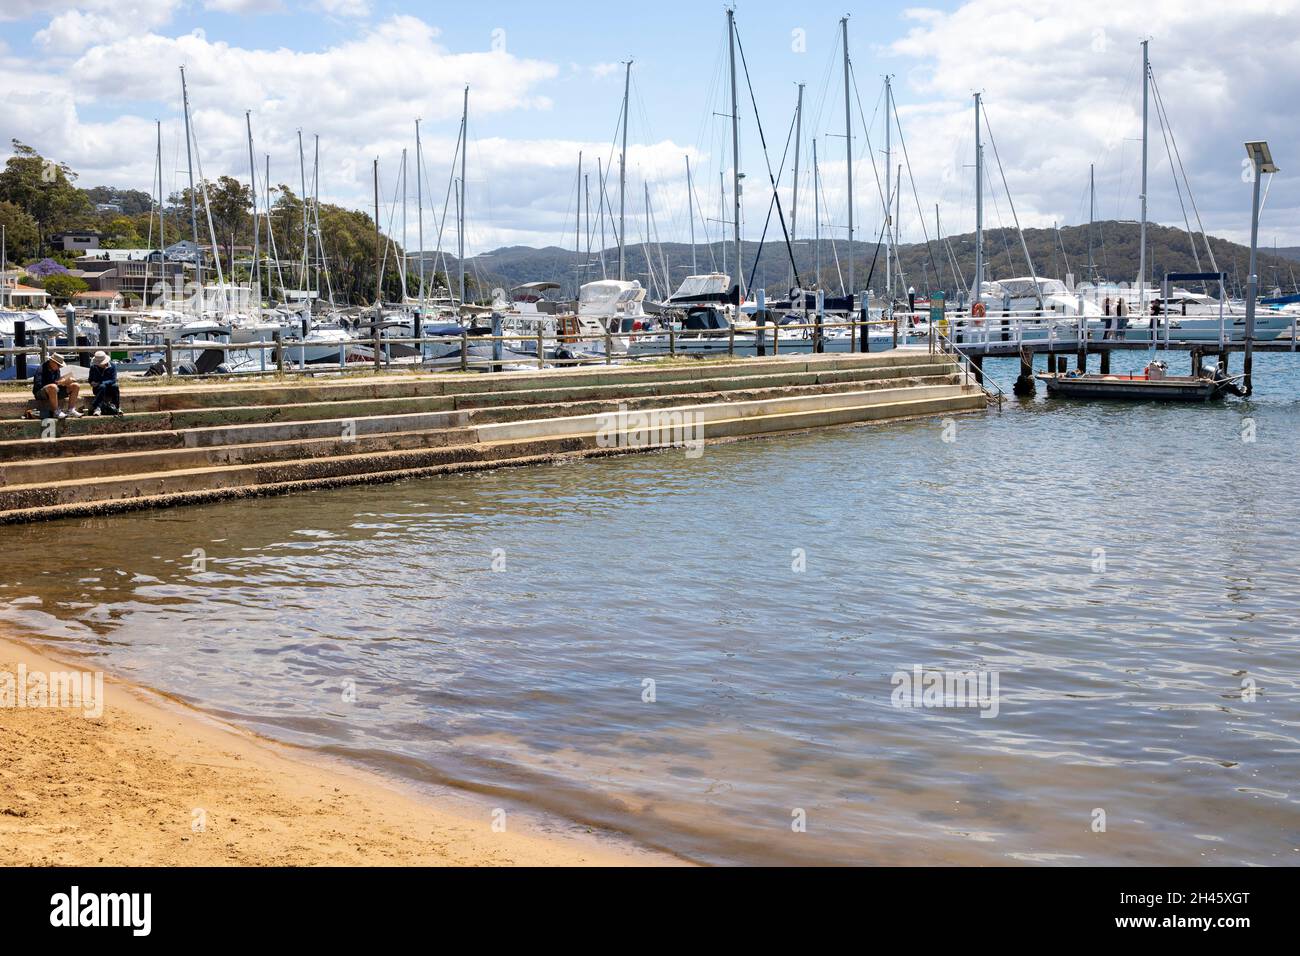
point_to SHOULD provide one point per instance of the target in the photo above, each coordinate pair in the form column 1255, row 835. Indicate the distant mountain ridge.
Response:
column 1114, row 256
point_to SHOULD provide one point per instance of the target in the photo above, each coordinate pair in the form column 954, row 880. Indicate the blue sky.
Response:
column 83, row 80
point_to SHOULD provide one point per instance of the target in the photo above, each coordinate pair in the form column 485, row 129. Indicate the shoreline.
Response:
column 153, row 782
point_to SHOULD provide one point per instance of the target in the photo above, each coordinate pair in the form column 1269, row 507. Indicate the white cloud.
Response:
column 25, row 9
column 243, row 6
column 345, row 8
column 361, row 95
column 1063, row 90
column 92, row 22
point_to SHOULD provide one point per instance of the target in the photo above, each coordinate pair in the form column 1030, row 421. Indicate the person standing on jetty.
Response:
column 54, row 388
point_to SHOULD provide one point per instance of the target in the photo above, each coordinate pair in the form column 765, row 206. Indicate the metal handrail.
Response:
column 997, row 394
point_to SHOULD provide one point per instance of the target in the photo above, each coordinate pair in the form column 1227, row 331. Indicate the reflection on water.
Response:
column 1128, row 571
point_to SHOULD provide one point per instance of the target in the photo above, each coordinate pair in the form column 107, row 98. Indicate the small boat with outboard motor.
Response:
column 1154, row 384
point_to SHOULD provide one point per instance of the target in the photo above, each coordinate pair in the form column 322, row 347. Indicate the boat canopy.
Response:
column 1023, row 288
column 532, row 291
column 713, row 287
column 605, row 296
column 37, row 322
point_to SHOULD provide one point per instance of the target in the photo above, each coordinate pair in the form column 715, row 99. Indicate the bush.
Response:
column 63, row 287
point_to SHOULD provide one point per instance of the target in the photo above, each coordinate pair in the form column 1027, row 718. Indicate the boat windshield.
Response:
column 704, row 320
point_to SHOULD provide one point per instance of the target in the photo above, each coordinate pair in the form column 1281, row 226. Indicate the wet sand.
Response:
column 152, row 782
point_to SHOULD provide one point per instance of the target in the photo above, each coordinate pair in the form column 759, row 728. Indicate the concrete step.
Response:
column 217, row 416
column 97, row 454
column 496, row 444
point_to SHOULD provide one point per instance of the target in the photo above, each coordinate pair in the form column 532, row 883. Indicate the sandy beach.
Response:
column 152, row 782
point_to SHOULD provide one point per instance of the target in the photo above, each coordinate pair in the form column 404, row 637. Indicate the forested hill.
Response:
column 1114, row 256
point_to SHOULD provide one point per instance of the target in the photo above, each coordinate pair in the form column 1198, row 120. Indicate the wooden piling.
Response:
column 1105, row 361
column 20, row 342
column 1025, row 384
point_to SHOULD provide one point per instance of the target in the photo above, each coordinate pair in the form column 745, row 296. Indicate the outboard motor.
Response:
column 1221, row 378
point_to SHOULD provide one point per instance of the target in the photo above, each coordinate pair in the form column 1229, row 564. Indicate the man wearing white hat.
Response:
column 103, row 379
column 53, row 387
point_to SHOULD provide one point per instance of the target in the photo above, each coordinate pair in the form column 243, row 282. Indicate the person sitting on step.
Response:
column 103, row 380
column 55, row 390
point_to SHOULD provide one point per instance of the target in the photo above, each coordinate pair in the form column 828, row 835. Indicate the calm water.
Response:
column 1125, row 570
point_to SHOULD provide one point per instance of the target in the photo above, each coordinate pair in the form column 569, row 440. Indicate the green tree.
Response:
column 63, row 287
column 230, row 202
column 120, row 233
column 132, row 201
column 21, row 235
column 44, row 190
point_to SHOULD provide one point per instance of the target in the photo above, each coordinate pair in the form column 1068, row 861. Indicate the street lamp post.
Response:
column 1262, row 162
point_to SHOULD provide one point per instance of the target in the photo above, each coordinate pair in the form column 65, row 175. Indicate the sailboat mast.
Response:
column 889, row 194
column 270, row 234
column 622, row 180
column 162, row 238
column 1142, row 240
column 315, row 205
column 464, row 148
column 303, row 280
column 735, row 148
column 848, row 150
column 379, row 259
column 419, row 207
column 600, row 207
column 252, row 185
column 979, row 206
column 1092, row 217
column 586, row 197
column 405, row 238
column 189, row 163
column 794, row 190
column 690, row 214
column 577, row 229
column 817, row 216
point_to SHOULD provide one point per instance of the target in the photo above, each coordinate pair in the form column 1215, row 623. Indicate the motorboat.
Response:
column 1154, row 384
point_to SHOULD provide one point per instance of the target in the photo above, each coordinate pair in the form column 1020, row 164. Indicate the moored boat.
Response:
column 1154, row 384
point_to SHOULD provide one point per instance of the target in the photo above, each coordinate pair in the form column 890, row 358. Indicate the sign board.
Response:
column 936, row 307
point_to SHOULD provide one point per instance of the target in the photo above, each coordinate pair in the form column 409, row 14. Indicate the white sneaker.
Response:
column 60, row 414
column 74, row 413
column 96, row 412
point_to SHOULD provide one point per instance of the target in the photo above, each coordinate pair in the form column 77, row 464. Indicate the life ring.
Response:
column 977, row 313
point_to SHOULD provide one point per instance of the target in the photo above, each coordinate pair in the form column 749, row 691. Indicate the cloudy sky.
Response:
column 84, row 80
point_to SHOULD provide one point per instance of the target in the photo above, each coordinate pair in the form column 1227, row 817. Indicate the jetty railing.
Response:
column 279, row 355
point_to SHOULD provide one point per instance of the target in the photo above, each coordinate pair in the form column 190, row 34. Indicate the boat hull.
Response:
column 1131, row 389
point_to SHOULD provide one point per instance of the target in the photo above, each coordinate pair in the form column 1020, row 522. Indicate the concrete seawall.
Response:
column 185, row 443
